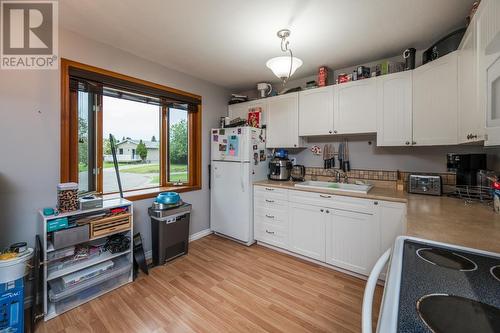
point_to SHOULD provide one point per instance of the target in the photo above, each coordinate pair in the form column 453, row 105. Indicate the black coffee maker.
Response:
column 466, row 167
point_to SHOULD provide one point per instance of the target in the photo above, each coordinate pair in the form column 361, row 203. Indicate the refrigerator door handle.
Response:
column 242, row 181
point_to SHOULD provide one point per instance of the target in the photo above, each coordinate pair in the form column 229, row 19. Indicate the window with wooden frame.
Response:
column 156, row 132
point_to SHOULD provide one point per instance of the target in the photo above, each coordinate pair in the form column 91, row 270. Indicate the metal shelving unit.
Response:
column 50, row 308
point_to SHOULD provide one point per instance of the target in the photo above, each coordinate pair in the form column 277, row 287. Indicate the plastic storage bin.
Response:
column 59, row 292
column 87, row 294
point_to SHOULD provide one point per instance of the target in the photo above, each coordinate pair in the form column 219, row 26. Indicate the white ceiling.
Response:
column 228, row 42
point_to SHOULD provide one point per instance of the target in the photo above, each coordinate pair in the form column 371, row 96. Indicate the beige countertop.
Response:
column 376, row 193
column 442, row 219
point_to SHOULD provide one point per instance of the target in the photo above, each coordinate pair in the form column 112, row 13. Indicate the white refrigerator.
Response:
column 238, row 158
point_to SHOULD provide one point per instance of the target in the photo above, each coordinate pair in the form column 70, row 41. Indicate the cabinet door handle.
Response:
column 335, row 131
column 407, row 143
column 269, row 216
column 269, row 189
column 270, row 232
column 322, row 210
column 271, row 201
column 375, row 202
column 414, row 142
column 327, row 211
column 325, row 196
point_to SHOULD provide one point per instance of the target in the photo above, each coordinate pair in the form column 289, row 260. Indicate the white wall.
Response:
column 29, row 132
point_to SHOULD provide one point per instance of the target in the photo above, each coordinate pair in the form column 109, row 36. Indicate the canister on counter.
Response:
column 67, row 197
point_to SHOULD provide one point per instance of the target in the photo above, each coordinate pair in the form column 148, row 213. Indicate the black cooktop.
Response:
column 444, row 290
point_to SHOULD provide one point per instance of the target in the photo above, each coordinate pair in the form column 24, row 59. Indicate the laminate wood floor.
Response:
column 221, row 286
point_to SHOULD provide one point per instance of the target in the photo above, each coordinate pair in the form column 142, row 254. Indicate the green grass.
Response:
column 82, row 167
column 143, row 168
column 155, row 179
column 181, row 177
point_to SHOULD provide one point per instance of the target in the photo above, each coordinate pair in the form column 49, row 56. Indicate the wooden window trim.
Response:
column 69, row 137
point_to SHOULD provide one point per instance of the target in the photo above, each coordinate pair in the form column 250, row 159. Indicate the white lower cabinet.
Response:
column 307, row 230
column 351, row 240
column 346, row 232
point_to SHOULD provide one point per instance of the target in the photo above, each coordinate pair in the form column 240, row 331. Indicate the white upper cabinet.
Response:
column 491, row 12
column 282, row 121
column 394, row 109
column 241, row 109
column 470, row 114
column 355, row 107
column 316, row 111
column 435, row 102
column 488, row 24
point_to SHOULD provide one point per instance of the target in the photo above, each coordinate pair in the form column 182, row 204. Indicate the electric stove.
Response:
column 438, row 287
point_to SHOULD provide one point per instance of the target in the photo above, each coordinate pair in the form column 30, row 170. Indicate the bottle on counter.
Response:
column 496, row 196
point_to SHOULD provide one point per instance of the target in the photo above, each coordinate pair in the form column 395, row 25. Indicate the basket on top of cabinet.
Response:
column 110, row 224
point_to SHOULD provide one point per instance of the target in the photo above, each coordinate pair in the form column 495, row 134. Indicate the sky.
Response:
column 136, row 120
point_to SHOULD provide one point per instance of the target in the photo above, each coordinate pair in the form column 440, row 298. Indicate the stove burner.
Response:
column 445, row 258
column 495, row 271
column 445, row 313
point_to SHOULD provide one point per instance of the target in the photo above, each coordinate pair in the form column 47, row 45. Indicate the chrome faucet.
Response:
column 340, row 176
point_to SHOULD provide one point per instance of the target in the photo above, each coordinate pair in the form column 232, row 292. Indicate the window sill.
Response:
column 151, row 192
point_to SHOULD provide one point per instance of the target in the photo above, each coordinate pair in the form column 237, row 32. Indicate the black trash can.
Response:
column 169, row 232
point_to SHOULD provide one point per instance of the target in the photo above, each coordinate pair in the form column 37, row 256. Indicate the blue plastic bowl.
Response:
column 168, row 198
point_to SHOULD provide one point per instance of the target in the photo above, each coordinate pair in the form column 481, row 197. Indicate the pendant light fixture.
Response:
column 284, row 67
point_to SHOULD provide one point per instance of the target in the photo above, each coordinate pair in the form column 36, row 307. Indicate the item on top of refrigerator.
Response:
column 254, row 117
column 265, row 89
column 311, row 84
column 363, row 72
column 389, row 67
column 342, row 78
column 409, row 56
column 354, row 75
column 445, row 45
column 235, row 98
column 237, row 122
column 322, row 76
column 67, row 197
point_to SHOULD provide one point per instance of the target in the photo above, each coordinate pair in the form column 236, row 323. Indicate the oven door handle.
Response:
column 366, row 323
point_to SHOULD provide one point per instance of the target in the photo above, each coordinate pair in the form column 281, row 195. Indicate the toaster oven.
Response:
column 425, row 184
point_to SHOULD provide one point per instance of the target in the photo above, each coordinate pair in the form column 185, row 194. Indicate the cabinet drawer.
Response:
column 271, row 192
column 269, row 215
column 270, row 201
column 333, row 201
column 109, row 225
column 272, row 234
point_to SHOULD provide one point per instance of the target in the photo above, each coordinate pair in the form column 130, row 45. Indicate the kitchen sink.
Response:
column 335, row 186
